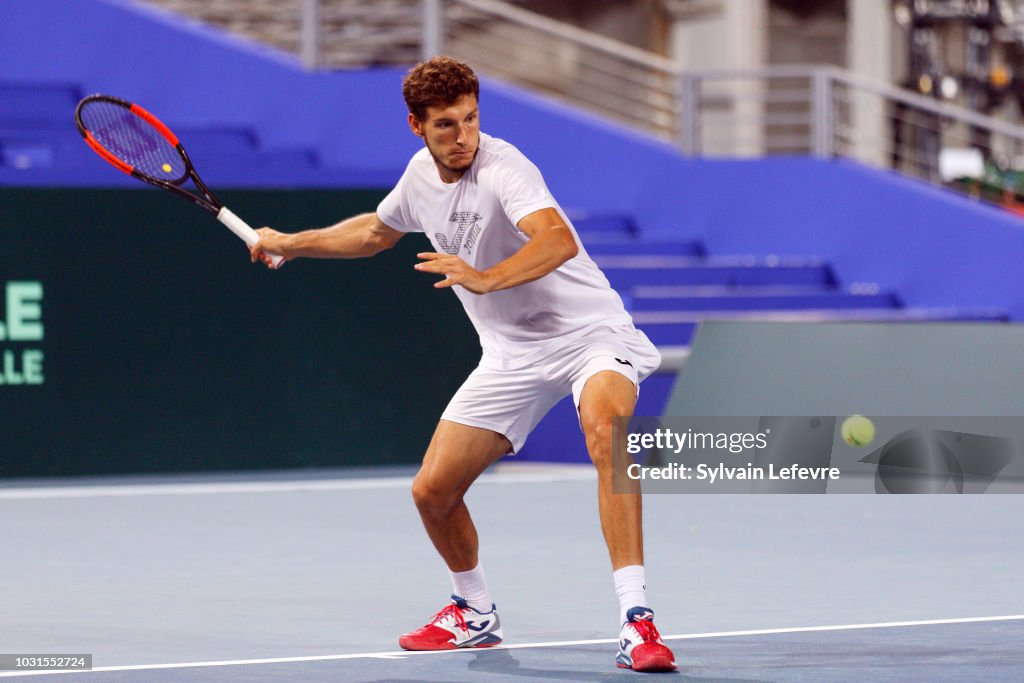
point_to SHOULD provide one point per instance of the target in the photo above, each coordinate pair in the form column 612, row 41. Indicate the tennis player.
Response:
column 549, row 324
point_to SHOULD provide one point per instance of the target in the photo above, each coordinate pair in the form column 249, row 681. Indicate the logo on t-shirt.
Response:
column 464, row 221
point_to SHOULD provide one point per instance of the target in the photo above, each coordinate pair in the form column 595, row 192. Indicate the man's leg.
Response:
column 456, row 456
column 607, row 395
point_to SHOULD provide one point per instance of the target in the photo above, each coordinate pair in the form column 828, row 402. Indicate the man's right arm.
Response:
column 356, row 237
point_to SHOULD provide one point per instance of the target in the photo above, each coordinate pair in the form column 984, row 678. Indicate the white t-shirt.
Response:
column 476, row 219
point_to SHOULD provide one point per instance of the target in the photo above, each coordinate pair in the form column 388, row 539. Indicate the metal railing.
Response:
column 797, row 109
column 606, row 76
column 322, row 33
column 828, row 112
column 609, row 77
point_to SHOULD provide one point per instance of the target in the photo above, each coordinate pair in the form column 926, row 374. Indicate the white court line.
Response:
column 509, row 476
column 401, row 654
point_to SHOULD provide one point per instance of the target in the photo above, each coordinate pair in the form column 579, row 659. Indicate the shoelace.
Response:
column 647, row 631
column 452, row 610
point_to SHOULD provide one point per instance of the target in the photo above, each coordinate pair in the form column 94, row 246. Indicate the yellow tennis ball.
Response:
column 858, row 430
column 167, row 168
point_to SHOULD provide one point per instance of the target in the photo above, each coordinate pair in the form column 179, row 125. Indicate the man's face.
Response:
column 452, row 134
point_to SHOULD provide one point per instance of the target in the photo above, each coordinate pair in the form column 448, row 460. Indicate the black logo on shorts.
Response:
column 464, row 220
column 623, row 362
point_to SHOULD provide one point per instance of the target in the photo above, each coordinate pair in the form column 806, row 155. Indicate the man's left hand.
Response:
column 456, row 272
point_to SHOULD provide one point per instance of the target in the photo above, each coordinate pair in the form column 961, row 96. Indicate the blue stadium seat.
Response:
column 631, row 271
column 23, row 148
column 669, row 298
column 38, row 105
column 222, row 140
column 638, row 247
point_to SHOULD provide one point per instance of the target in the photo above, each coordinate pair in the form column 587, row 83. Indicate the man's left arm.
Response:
column 551, row 243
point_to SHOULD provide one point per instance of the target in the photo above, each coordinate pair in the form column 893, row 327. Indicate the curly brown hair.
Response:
column 437, row 82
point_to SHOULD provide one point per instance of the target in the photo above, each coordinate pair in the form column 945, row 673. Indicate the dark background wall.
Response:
column 164, row 349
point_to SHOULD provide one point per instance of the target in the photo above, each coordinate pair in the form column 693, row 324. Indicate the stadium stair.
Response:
column 670, row 286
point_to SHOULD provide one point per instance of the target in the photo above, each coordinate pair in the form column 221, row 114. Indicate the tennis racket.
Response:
column 136, row 142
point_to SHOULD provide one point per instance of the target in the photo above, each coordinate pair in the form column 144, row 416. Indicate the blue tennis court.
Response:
column 312, row 577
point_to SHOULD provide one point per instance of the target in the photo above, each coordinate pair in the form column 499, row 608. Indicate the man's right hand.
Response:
column 270, row 240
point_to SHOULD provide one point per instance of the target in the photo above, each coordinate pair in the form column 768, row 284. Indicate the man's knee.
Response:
column 431, row 498
column 599, row 433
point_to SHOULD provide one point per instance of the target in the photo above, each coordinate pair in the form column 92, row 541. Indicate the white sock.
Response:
column 472, row 587
column 630, row 586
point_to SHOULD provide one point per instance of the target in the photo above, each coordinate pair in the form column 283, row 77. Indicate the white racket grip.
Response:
column 248, row 235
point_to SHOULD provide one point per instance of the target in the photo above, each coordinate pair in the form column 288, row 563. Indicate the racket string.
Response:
column 134, row 141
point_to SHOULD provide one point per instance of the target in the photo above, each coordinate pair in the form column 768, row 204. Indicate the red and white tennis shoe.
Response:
column 640, row 644
column 457, row 625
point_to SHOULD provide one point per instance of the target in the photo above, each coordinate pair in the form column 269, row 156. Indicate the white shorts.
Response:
column 512, row 402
